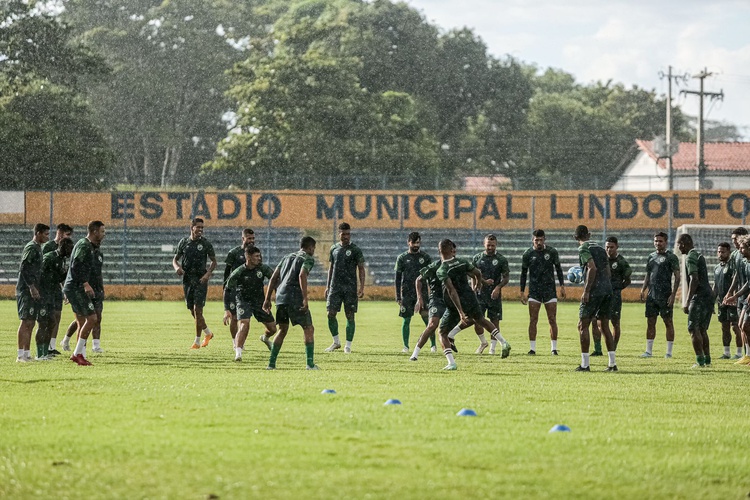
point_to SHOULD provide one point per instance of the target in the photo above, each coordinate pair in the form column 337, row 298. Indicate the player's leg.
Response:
column 406, row 312
column 726, row 333
column 596, row 336
column 583, row 336
column 494, row 331
column 309, row 334
column 96, row 332
column 243, row 327
column 669, row 326
column 551, row 308
column 479, row 330
column 282, row 322
column 616, row 330
column 42, row 333
column 427, row 333
column 534, row 307
column 351, row 302
column 450, row 319
column 268, row 322
column 233, row 327
column 333, row 306
column 652, row 312
column 55, row 326
column 87, row 324
column 201, row 292
column 696, row 336
column 69, row 332
column 426, row 320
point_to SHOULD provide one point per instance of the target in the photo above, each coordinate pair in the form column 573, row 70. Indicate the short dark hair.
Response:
column 740, row 231
column 307, row 242
column 64, row 228
column 538, row 233
column 491, row 237
column 66, row 245
column 251, row 249
column 724, row 244
column 344, row 226
column 581, row 232
column 446, row 244
column 661, row 234
column 196, row 221
column 686, row 239
column 94, row 225
column 414, row 236
column 613, row 239
column 247, row 231
column 40, row 228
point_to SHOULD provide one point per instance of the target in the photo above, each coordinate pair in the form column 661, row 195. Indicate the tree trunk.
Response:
column 164, row 167
column 146, row 162
column 174, row 163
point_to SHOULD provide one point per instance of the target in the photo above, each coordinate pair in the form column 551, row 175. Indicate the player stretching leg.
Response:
column 236, row 258
column 63, row 231
column 50, row 288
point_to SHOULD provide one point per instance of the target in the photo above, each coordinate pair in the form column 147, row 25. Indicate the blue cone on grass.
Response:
column 328, row 391
column 392, row 402
column 466, row 412
column 560, row 428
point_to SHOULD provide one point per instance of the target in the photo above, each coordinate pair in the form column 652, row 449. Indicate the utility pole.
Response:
column 700, row 164
column 669, row 76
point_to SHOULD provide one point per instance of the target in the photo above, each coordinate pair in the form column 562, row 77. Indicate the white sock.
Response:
column 739, row 351
column 336, row 340
column 554, row 344
column 416, row 352
column 234, row 342
column 452, row 334
column 482, row 339
column 207, row 331
column 238, row 352
column 449, row 356
column 52, row 343
column 650, row 346
column 497, row 335
column 726, row 350
column 747, row 349
column 198, row 340
column 493, row 345
column 611, row 355
column 27, row 353
column 532, row 344
column 97, row 343
column 349, row 344
column 669, row 347
column 584, row 360
column 20, row 353
column 80, row 348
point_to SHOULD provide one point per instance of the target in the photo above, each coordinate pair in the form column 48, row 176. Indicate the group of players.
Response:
column 449, row 294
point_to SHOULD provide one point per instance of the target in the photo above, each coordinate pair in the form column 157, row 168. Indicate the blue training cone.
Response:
column 328, row 391
column 392, row 402
column 560, row 428
column 466, row 412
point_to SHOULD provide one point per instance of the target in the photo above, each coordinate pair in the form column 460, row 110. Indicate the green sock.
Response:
column 701, row 360
column 597, row 347
column 707, row 359
column 310, row 351
column 405, row 330
column 45, row 349
column 432, row 340
column 333, row 326
column 39, row 351
column 274, row 354
column 349, row 330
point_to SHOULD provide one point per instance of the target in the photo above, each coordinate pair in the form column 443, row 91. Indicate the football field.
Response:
column 152, row 419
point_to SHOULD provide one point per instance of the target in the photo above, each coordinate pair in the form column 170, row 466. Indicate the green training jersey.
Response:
column 192, row 256
column 493, row 267
column 96, row 280
column 248, row 283
column 660, row 269
column 723, row 275
column 620, row 270
column 289, row 291
column 81, row 265
column 737, row 266
column 457, row 270
column 429, row 276
column 235, row 257
column 31, row 267
column 590, row 250
column 48, row 247
column 541, row 266
column 345, row 260
column 409, row 265
column 695, row 264
column 53, row 274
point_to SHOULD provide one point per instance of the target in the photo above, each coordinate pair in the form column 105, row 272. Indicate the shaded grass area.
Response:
column 152, row 419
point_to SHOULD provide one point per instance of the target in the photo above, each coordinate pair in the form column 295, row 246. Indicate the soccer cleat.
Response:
column 80, row 360
column 647, row 355
column 347, row 350
column 668, row 356
column 98, row 350
column 555, row 353
column 450, row 367
column 492, row 351
column 333, row 347
column 697, row 365
column 21, row 359
column 405, row 350
column 42, row 358
column 481, row 348
column 53, row 352
column 725, row 356
column 597, row 353
column 270, row 367
column 238, row 358
column 266, row 341
column 84, row 361
column 313, row 367
column 413, row 358
column 612, row 368
column 506, row 350
column 195, row 346
column 452, row 342
column 744, row 360
column 736, row 356
column 579, row 368
column 207, row 339
column 532, row 352
column 433, row 348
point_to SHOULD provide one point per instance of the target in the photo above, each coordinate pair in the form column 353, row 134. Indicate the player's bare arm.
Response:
column 644, row 288
column 692, row 290
column 498, row 288
column 361, row 272
column 675, row 287
column 204, row 279
column 590, row 280
column 275, row 278
column 303, row 285
column 176, row 265
column 420, row 300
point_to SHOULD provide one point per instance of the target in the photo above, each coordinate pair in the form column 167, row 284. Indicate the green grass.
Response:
column 152, row 419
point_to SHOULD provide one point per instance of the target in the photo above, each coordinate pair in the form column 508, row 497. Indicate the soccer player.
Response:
column 596, row 300
column 495, row 275
column 289, row 280
column 52, row 277
column 540, row 262
column 79, row 292
column 737, row 293
column 723, row 275
column 435, row 305
column 27, row 290
column 460, row 299
column 620, row 272
column 246, row 285
column 236, row 258
column 190, row 262
column 408, row 267
column 346, row 262
column 658, row 291
column 63, row 231
column 700, row 305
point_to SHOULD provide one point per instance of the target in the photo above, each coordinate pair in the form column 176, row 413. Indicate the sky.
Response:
column 629, row 42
